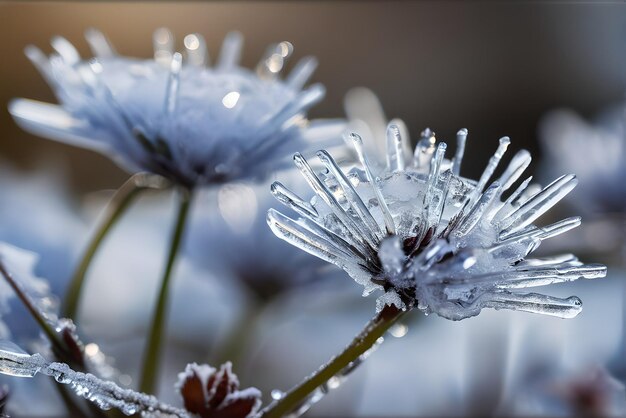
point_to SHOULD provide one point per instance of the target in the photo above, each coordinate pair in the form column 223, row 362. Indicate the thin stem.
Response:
column 154, row 343
column 58, row 345
column 120, row 201
column 298, row 396
column 46, row 327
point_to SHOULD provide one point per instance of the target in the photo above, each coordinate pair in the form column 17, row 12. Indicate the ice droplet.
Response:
column 398, row 330
column 277, row 394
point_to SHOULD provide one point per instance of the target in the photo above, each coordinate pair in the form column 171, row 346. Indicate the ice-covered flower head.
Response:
column 430, row 238
column 174, row 115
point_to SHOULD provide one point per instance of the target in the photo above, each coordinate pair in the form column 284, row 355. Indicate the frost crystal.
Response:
column 107, row 395
column 430, row 238
column 174, row 115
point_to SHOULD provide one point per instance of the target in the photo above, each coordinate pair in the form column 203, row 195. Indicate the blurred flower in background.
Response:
column 229, row 236
column 596, row 152
column 174, row 115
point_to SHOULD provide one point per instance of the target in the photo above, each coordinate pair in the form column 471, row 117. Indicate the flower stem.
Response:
column 155, row 339
column 298, row 396
column 117, row 206
column 54, row 338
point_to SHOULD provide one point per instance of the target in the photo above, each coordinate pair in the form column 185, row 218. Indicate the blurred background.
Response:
column 496, row 68
column 491, row 67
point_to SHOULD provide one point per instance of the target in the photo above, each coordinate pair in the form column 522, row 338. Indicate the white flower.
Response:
column 596, row 152
column 176, row 116
column 429, row 237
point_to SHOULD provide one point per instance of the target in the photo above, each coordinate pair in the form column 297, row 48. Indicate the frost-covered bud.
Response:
column 174, row 115
column 427, row 237
column 211, row 393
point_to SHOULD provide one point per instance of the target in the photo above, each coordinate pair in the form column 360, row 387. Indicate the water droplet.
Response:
column 230, row 100
column 92, row 349
column 277, row 394
column 398, row 330
column 334, row 382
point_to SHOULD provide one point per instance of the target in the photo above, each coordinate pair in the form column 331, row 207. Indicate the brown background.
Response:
column 494, row 68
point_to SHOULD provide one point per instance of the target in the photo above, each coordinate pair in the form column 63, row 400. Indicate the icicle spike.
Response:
column 195, row 50
column 461, row 138
column 100, row 46
column 358, row 146
column 395, row 151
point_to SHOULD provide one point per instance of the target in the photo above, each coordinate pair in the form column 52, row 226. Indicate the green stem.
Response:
column 117, row 206
column 157, row 329
column 298, row 396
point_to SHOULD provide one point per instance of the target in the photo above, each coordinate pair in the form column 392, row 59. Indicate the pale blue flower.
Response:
column 174, row 115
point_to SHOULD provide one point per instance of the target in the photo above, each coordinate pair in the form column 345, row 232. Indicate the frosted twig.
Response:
column 104, row 394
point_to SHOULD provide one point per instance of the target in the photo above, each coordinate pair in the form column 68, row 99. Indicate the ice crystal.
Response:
column 174, row 115
column 105, row 394
column 430, row 238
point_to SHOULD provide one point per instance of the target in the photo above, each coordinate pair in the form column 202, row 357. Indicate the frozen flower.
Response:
column 211, row 393
column 595, row 151
column 430, row 238
column 175, row 115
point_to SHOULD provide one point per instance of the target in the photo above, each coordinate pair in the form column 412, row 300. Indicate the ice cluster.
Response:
column 427, row 237
column 174, row 115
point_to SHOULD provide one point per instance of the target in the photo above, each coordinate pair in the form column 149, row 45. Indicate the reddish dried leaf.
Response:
column 193, row 395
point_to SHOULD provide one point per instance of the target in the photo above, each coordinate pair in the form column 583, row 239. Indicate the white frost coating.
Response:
column 105, row 394
column 202, row 371
column 220, row 390
column 175, row 116
column 452, row 246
